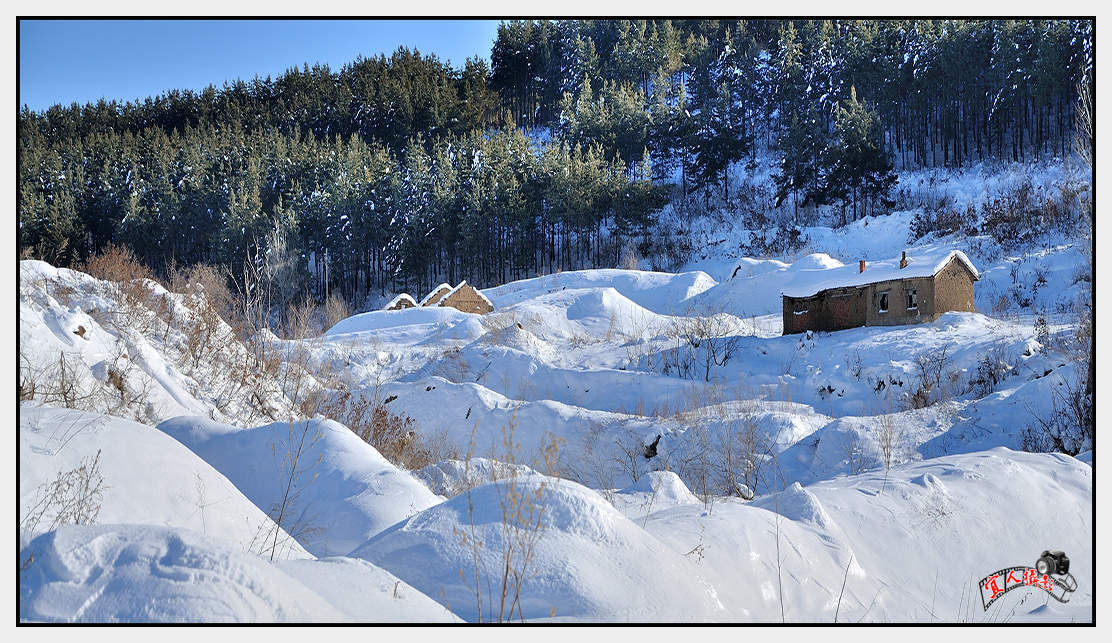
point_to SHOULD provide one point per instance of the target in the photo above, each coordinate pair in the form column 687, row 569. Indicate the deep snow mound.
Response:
column 336, row 490
column 601, row 313
column 377, row 320
column 657, row 291
column 148, row 478
column 366, row 593
column 654, row 491
column 753, row 286
column 149, row 574
column 798, row 504
column 909, row 545
column 589, row 562
column 449, row 478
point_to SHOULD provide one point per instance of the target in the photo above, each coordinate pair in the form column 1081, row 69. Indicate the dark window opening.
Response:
column 883, row 302
column 912, row 299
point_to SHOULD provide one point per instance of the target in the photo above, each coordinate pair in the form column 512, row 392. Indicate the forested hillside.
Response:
column 397, row 173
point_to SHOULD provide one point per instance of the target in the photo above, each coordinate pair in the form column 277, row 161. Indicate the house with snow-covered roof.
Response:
column 400, row 302
column 434, row 297
column 463, row 297
column 910, row 290
column 469, row 300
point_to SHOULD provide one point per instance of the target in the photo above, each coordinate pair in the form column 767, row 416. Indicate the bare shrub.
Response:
column 629, row 452
column 784, row 239
column 129, row 282
column 292, row 520
column 891, row 438
column 303, row 319
column 1042, row 331
column 336, row 310
column 394, row 436
column 29, row 376
column 398, row 437
column 708, row 337
column 935, row 374
column 630, row 257
column 203, row 330
column 522, row 503
column 116, row 264
column 853, row 361
column 1069, row 426
column 724, row 449
column 126, row 385
column 598, row 460
column 943, row 220
column 992, row 368
column 695, row 462
column 855, row 453
column 60, row 384
column 1001, row 304
column 73, row 498
column 745, row 450
column 213, row 282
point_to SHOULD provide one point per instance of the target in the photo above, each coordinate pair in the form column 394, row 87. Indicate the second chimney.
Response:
column 903, row 260
column 861, row 266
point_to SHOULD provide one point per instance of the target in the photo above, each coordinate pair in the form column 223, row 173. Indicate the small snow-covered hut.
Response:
column 401, row 301
column 467, row 299
column 434, row 297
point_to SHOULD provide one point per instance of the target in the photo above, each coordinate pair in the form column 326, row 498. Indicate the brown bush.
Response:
column 397, row 437
column 130, row 283
column 116, row 264
column 213, row 282
column 335, row 310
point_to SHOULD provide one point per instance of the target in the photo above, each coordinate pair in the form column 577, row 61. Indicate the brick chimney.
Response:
column 861, row 266
column 903, row 260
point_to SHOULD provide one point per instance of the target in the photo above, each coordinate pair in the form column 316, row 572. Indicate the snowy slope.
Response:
column 139, row 573
column 589, row 562
column 581, row 375
column 339, row 491
column 149, row 478
column 956, row 518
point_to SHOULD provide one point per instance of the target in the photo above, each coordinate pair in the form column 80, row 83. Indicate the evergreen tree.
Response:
column 800, row 144
column 855, row 165
column 721, row 136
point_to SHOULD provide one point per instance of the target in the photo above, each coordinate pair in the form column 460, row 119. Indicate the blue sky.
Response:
column 67, row 61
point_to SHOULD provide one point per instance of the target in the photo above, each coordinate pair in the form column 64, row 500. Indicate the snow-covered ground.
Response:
column 799, row 479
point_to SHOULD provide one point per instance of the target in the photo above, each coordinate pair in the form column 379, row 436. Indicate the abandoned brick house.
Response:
column 913, row 289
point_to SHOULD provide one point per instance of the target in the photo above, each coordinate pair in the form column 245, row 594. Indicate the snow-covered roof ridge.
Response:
column 401, row 297
column 457, row 288
column 926, row 263
column 432, row 292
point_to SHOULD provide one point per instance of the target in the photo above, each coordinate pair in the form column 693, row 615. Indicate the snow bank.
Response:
column 149, row 478
column 383, row 319
column 909, row 548
column 657, row 291
column 590, row 562
column 341, row 492
column 365, row 593
column 142, row 573
column 654, row 491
